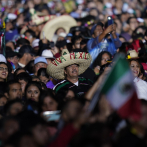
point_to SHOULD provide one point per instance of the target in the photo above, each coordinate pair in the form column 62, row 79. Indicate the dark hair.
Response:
column 44, row 94
column 43, row 86
column 30, row 67
column 42, row 72
column 10, row 83
column 9, row 104
column 129, row 19
column 34, row 83
column 31, row 32
column 16, row 71
column 97, row 61
column 74, row 39
column 35, row 77
column 22, row 41
column 24, row 76
column 58, row 29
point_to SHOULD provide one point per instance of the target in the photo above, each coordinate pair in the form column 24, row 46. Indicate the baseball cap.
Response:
column 2, row 58
column 35, row 43
column 47, row 54
column 40, row 59
column 26, row 49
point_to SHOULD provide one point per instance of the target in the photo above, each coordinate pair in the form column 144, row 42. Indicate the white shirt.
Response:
column 141, row 87
column 77, row 83
column 22, row 65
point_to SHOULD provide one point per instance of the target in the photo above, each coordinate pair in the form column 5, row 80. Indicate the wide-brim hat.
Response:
column 132, row 54
column 51, row 26
column 56, row 68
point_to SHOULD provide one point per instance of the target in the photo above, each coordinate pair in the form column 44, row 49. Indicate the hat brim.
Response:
column 56, row 69
column 51, row 26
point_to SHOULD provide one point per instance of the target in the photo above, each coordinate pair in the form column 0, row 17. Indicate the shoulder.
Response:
column 140, row 82
column 82, row 79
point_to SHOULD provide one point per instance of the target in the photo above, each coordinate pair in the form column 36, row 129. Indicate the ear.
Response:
column 6, row 94
column 65, row 71
column 73, row 46
column 93, row 36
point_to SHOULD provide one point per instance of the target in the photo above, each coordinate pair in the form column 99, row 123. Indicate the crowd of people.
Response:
column 57, row 55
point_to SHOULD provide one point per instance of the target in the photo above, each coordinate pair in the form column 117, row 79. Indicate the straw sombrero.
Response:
column 56, row 68
column 132, row 54
column 51, row 26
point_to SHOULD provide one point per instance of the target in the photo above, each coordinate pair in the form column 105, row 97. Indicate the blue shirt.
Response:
column 94, row 47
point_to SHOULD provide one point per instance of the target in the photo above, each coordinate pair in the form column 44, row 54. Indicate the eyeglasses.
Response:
column 2, row 69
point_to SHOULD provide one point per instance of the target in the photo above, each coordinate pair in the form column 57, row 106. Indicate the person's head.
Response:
column 48, row 55
column 48, row 102
column 132, row 21
column 33, row 91
column 71, row 71
column 26, row 53
column 3, row 71
column 61, row 44
column 102, row 58
column 39, row 62
column 76, row 42
column 18, row 71
column 23, row 78
column 13, row 90
column 30, row 35
column 30, row 67
column 3, row 100
column 135, row 67
column 35, row 78
column 13, row 107
column 97, row 29
column 22, row 41
column 11, row 45
column 60, row 30
column 43, row 76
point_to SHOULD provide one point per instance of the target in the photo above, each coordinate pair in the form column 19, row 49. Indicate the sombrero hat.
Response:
column 56, row 68
column 132, row 54
column 51, row 26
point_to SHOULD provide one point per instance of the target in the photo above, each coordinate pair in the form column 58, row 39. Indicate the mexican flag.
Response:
column 120, row 91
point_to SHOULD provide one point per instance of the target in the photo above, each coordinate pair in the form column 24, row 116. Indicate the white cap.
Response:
column 47, row 54
column 35, row 43
column 2, row 58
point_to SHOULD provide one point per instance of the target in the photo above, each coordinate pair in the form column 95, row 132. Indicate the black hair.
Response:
column 122, row 48
column 74, row 39
column 43, row 86
column 16, row 71
column 34, row 83
column 30, row 67
column 31, row 32
column 44, row 94
column 42, row 72
column 10, row 83
column 129, row 19
column 97, row 61
column 22, row 41
column 35, row 77
column 69, row 47
column 24, row 76
column 58, row 29
column 8, row 105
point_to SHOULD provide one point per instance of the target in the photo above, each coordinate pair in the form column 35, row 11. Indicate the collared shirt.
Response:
column 141, row 88
column 83, row 86
column 94, row 47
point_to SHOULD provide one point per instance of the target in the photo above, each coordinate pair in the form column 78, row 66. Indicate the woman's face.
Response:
column 33, row 93
column 44, row 79
column 135, row 67
column 105, row 58
column 3, row 72
column 49, row 104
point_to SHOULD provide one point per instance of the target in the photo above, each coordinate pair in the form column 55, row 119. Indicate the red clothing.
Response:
column 65, row 136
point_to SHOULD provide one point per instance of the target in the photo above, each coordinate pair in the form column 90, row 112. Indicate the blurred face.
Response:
column 15, row 109
column 40, row 135
column 15, row 91
column 60, row 31
column 133, row 24
column 29, row 37
column 44, row 79
column 77, row 44
column 23, row 85
column 14, row 60
column 135, row 67
column 98, row 31
column 72, row 71
column 3, row 72
column 105, row 58
column 70, row 95
column 3, row 101
column 33, row 93
column 49, row 104
column 39, row 65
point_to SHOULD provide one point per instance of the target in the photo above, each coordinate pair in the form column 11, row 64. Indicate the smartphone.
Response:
column 110, row 20
column 52, row 115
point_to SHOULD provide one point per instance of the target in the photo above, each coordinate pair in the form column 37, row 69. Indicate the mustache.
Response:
column 74, row 70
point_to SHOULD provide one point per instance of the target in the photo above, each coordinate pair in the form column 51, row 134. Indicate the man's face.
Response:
column 15, row 109
column 40, row 65
column 72, row 71
column 23, row 85
column 98, row 30
column 29, row 37
column 14, row 91
column 14, row 60
column 29, row 57
column 77, row 44
column 133, row 24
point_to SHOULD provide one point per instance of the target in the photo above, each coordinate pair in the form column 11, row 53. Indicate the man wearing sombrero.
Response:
column 67, row 68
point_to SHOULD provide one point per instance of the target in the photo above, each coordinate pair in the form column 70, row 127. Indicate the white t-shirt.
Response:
column 141, row 87
column 77, row 83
